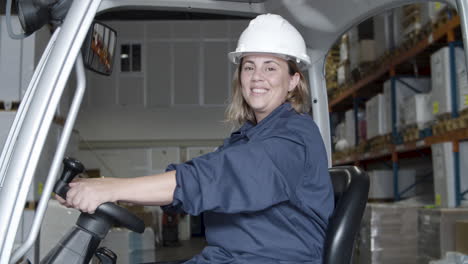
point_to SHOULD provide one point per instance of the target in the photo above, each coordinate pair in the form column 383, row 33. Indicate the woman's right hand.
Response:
column 87, row 194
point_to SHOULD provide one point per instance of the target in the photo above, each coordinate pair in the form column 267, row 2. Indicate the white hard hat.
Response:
column 272, row 34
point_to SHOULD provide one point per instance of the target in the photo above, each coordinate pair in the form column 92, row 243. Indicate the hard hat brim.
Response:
column 236, row 56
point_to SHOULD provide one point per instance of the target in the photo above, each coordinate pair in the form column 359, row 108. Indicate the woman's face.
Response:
column 265, row 83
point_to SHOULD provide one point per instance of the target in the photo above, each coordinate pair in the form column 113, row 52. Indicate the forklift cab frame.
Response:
column 320, row 22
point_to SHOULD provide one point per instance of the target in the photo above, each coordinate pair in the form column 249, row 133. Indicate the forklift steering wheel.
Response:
column 109, row 212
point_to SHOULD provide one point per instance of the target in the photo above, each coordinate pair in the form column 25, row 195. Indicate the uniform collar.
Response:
column 249, row 129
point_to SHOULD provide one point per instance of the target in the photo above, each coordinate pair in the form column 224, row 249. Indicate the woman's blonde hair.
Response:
column 238, row 111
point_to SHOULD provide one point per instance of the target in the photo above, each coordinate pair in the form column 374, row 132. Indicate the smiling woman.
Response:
column 265, row 193
column 266, row 83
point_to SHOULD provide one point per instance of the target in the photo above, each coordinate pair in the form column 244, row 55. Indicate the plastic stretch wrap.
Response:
column 452, row 258
column 389, row 234
column 437, row 232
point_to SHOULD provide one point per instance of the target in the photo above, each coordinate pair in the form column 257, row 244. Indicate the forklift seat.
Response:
column 351, row 188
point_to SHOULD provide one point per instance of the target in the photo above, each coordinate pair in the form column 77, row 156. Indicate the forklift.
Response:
column 80, row 42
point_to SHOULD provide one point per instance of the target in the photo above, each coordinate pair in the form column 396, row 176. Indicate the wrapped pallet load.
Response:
column 389, row 234
column 441, row 81
column 405, row 87
column 444, row 172
column 375, row 114
column 437, row 232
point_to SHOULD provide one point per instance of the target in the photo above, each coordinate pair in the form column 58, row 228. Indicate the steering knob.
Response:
column 71, row 168
column 106, row 212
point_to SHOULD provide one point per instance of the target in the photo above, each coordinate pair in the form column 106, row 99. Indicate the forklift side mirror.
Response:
column 99, row 48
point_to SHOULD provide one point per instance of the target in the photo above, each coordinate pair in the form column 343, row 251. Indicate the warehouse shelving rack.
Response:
column 349, row 98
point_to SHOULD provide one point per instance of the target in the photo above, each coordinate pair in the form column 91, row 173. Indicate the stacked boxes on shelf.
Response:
column 375, row 113
column 350, row 126
column 414, row 18
column 383, row 33
column 444, row 174
column 331, row 67
column 381, row 183
column 441, row 92
column 437, row 232
column 437, row 11
column 362, row 50
column 416, row 110
column 344, row 70
column 405, row 87
column 389, row 234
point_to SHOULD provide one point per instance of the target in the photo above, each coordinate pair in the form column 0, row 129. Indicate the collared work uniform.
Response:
column 266, row 193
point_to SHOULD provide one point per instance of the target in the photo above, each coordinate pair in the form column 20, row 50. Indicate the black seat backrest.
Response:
column 351, row 188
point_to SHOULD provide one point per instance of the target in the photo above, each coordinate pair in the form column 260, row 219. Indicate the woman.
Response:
column 266, row 192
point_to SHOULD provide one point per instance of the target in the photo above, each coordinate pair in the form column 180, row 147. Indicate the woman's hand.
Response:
column 87, row 194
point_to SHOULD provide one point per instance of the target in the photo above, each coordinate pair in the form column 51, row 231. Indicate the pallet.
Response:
column 411, row 133
column 445, row 123
column 380, row 142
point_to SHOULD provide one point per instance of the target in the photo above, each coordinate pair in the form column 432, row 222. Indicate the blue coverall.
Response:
column 266, row 193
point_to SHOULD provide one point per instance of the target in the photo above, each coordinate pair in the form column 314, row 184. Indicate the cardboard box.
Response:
column 437, row 231
column 444, row 175
column 404, row 88
column 350, row 126
column 375, row 115
column 361, row 51
column 416, row 110
column 383, row 33
column 435, row 10
column 343, row 73
column 388, row 234
column 414, row 18
column 441, row 84
column 461, row 236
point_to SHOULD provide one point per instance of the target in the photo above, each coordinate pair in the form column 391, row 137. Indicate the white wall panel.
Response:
column 158, row 30
column 159, row 74
column 186, row 78
column 186, row 29
column 10, row 63
column 102, row 90
column 214, row 30
column 131, row 90
column 236, row 27
column 161, row 157
column 127, row 30
column 194, row 152
column 186, row 66
column 125, row 162
column 216, row 73
column 6, row 120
